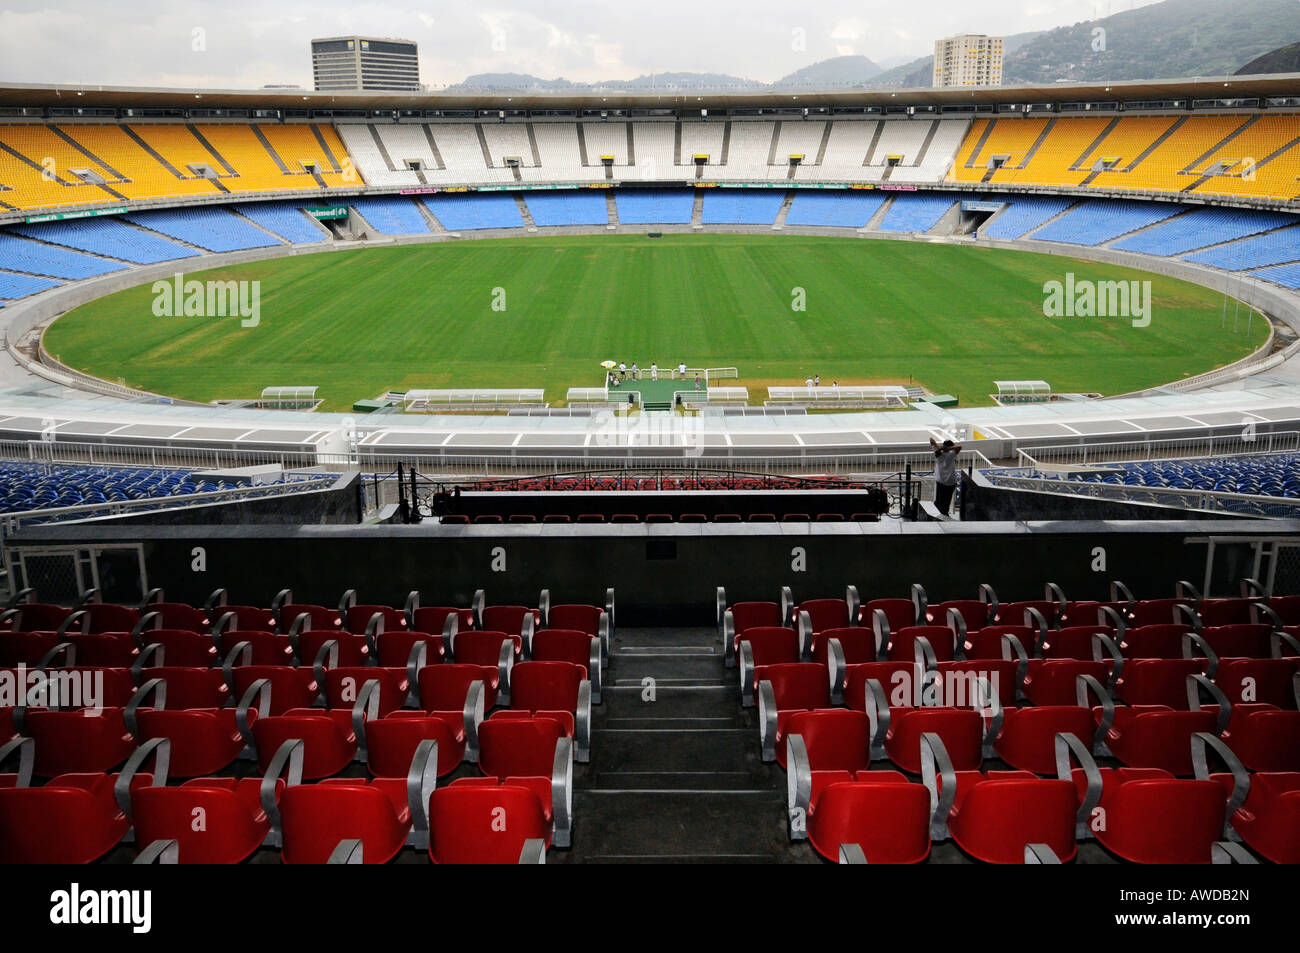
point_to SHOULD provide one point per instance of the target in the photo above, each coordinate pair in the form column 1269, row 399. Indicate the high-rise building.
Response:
column 342, row 63
column 968, row 60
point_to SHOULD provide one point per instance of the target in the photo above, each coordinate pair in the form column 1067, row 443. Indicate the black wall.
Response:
column 666, row 574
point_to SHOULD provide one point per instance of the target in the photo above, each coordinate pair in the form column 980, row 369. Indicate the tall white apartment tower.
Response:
column 968, row 60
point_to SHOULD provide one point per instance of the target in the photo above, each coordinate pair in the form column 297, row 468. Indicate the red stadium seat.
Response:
column 234, row 823
column 182, row 648
column 577, row 648
column 75, row 818
column 554, row 689
column 78, row 742
column 535, row 753
column 391, row 742
column 329, row 738
column 783, row 690
column 763, row 645
column 466, row 824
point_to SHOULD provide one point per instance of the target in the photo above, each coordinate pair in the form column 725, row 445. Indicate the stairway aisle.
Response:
column 675, row 773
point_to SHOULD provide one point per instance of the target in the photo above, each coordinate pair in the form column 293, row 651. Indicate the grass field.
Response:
column 359, row 323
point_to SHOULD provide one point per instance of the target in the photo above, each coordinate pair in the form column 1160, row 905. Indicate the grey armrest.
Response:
column 940, row 780
column 534, row 851
column 594, row 670
column 767, row 721
column 25, row 749
column 729, row 639
column 287, row 761
column 852, row 854
column 347, row 851
column 163, row 851
column 1202, row 743
column 839, row 670
column 158, row 688
column 160, row 749
column 1196, row 683
column 1067, row 745
column 1103, row 645
column 1194, row 646
column 746, row 674
column 798, row 780
column 1226, row 852
column 366, row 708
column 153, row 653
column 506, row 667
column 1084, row 684
column 472, row 716
column 878, row 716
column 582, row 724
column 526, row 632
column 803, row 626
column 260, row 690
column 1040, row 854
column 421, row 780
column 562, row 793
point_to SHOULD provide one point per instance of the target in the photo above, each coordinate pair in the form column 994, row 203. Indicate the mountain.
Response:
column 828, row 74
column 1176, row 38
column 523, row 82
column 1285, row 59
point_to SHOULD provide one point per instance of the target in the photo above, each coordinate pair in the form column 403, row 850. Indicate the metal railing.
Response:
column 296, row 483
column 1211, row 501
column 1246, row 443
column 508, row 462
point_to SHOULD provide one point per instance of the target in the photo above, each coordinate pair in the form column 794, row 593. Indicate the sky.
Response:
column 246, row 44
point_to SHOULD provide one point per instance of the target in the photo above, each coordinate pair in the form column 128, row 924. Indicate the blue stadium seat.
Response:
column 1273, row 248
column 470, row 211
column 1023, row 215
column 286, row 219
column 108, row 236
column 655, row 206
column 568, row 208
column 1201, row 227
column 843, row 209
column 215, row 229
column 391, row 215
column 915, row 212
column 20, row 286
column 742, row 206
column 18, row 254
column 1099, row 220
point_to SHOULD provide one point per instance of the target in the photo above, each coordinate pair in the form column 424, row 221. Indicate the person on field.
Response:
column 697, row 381
column 808, row 382
column 681, row 370
column 945, row 473
column 654, row 371
column 636, row 374
column 622, row 370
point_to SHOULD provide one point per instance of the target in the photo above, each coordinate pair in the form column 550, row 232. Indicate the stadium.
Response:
column 382, row 463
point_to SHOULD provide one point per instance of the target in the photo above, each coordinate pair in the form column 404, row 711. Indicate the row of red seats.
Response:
column 521, row 805
column 1122, row 612
column 975, row 723
column 497, row 519
column 854, row 814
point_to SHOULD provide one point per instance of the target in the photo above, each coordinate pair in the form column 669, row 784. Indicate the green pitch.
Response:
column 544, row 312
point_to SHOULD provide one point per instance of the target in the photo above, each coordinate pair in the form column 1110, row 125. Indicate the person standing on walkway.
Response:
column 945, row 473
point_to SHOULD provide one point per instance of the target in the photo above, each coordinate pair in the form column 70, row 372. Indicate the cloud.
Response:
column 249, row 43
